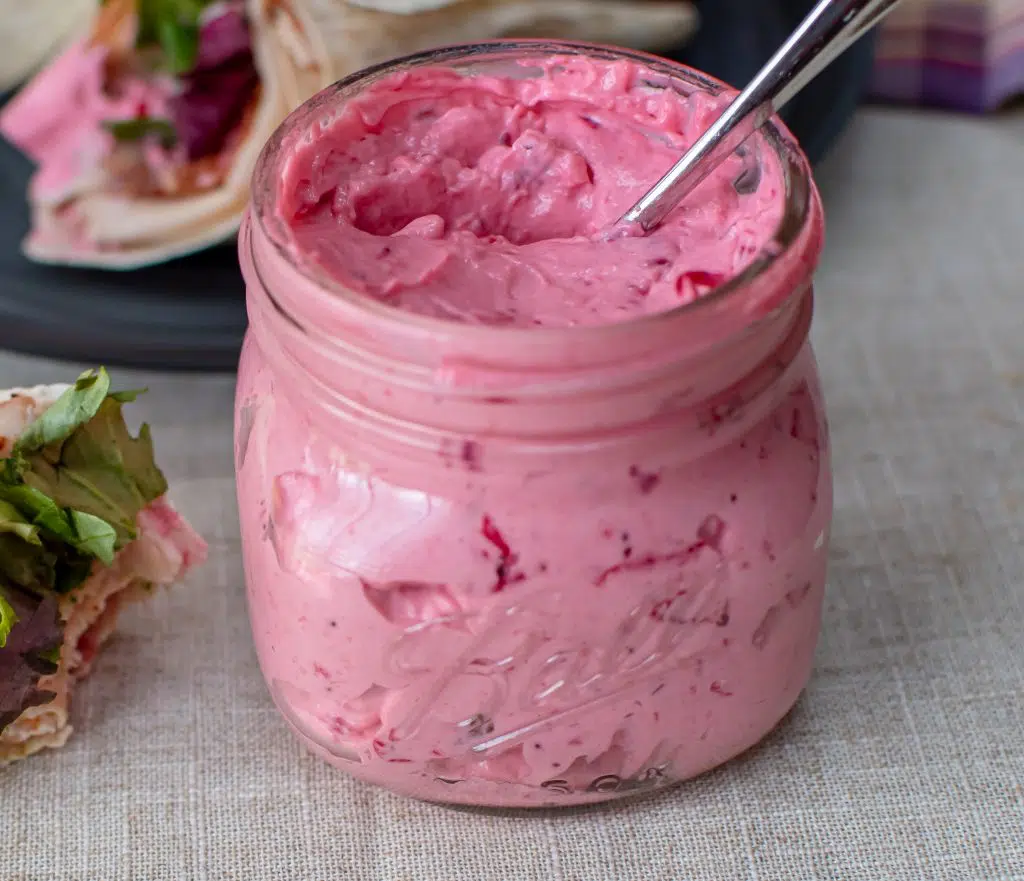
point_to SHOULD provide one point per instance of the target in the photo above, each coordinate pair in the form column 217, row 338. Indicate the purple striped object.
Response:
column 965, row 55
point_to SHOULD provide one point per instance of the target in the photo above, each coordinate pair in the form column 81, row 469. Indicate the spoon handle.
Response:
column 830, row 28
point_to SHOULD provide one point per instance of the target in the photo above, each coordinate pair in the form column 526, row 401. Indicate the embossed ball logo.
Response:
column 511, row 671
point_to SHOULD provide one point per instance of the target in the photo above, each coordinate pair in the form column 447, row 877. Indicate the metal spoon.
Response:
column 831, row 28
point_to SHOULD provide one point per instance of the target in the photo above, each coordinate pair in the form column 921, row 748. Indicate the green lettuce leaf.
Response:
column 82, row 532
column 24, row 560
column 73, row 408
column 8, row 618
column 102, row 472
column 142, row 127
column 23, row 565
column 13, row 522
column 173, row 25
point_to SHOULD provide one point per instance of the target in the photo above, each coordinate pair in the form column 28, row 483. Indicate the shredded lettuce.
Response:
column 173, row 25
column 8, row 618
column 142, row 127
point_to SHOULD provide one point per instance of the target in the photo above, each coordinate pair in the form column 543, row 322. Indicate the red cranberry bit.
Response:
column 711, row 531
column 646, row 481
column 795, row 425
column 506, row 558
column 760, row 637
column 645, row 562
column 659, row 609
column 796, row 596
column 720, row 689
column 470, row 455
column 697, row 283
column 491, row 532
column 723, row 618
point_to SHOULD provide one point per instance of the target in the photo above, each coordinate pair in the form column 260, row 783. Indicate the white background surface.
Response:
column 904, row 760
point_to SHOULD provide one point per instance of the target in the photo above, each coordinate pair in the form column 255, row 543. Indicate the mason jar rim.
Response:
column 798, row 190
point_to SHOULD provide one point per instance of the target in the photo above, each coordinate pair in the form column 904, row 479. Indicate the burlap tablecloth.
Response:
column 905, row 758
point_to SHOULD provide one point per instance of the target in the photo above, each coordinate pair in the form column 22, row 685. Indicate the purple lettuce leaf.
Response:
column 29, row 654
column 217, row 91
column 223, row 38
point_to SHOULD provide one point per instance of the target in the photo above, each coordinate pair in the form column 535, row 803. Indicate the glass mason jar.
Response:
column 521, row 567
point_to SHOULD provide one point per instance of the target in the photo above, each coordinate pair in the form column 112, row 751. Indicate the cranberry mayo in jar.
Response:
column 531, row 515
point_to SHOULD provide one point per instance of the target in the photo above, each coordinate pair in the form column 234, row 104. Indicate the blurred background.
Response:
column 950, row 56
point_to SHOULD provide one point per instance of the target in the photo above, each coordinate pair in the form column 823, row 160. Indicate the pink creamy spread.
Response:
column 468, row 632
column 484, row 199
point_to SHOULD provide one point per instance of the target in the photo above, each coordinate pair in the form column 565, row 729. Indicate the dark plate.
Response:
column 187, row 314
column 190, row 313
column 737, row 37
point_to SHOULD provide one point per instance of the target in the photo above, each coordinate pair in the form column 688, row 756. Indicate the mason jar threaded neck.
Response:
column 372, row 362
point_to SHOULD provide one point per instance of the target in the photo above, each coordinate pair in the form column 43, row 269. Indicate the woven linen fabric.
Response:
column 905, row 758
column 965, row 55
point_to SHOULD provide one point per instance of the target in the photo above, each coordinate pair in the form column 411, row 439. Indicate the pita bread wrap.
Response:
column 145, row 142
column 65, row 570
column 363, row 32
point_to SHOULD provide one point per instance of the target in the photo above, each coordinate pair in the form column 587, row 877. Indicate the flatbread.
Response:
column 404, row 7
column 101, row 228
column 359, row 33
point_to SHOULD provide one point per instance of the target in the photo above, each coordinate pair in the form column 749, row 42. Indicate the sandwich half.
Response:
column 84, row 529
column 146, row 128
